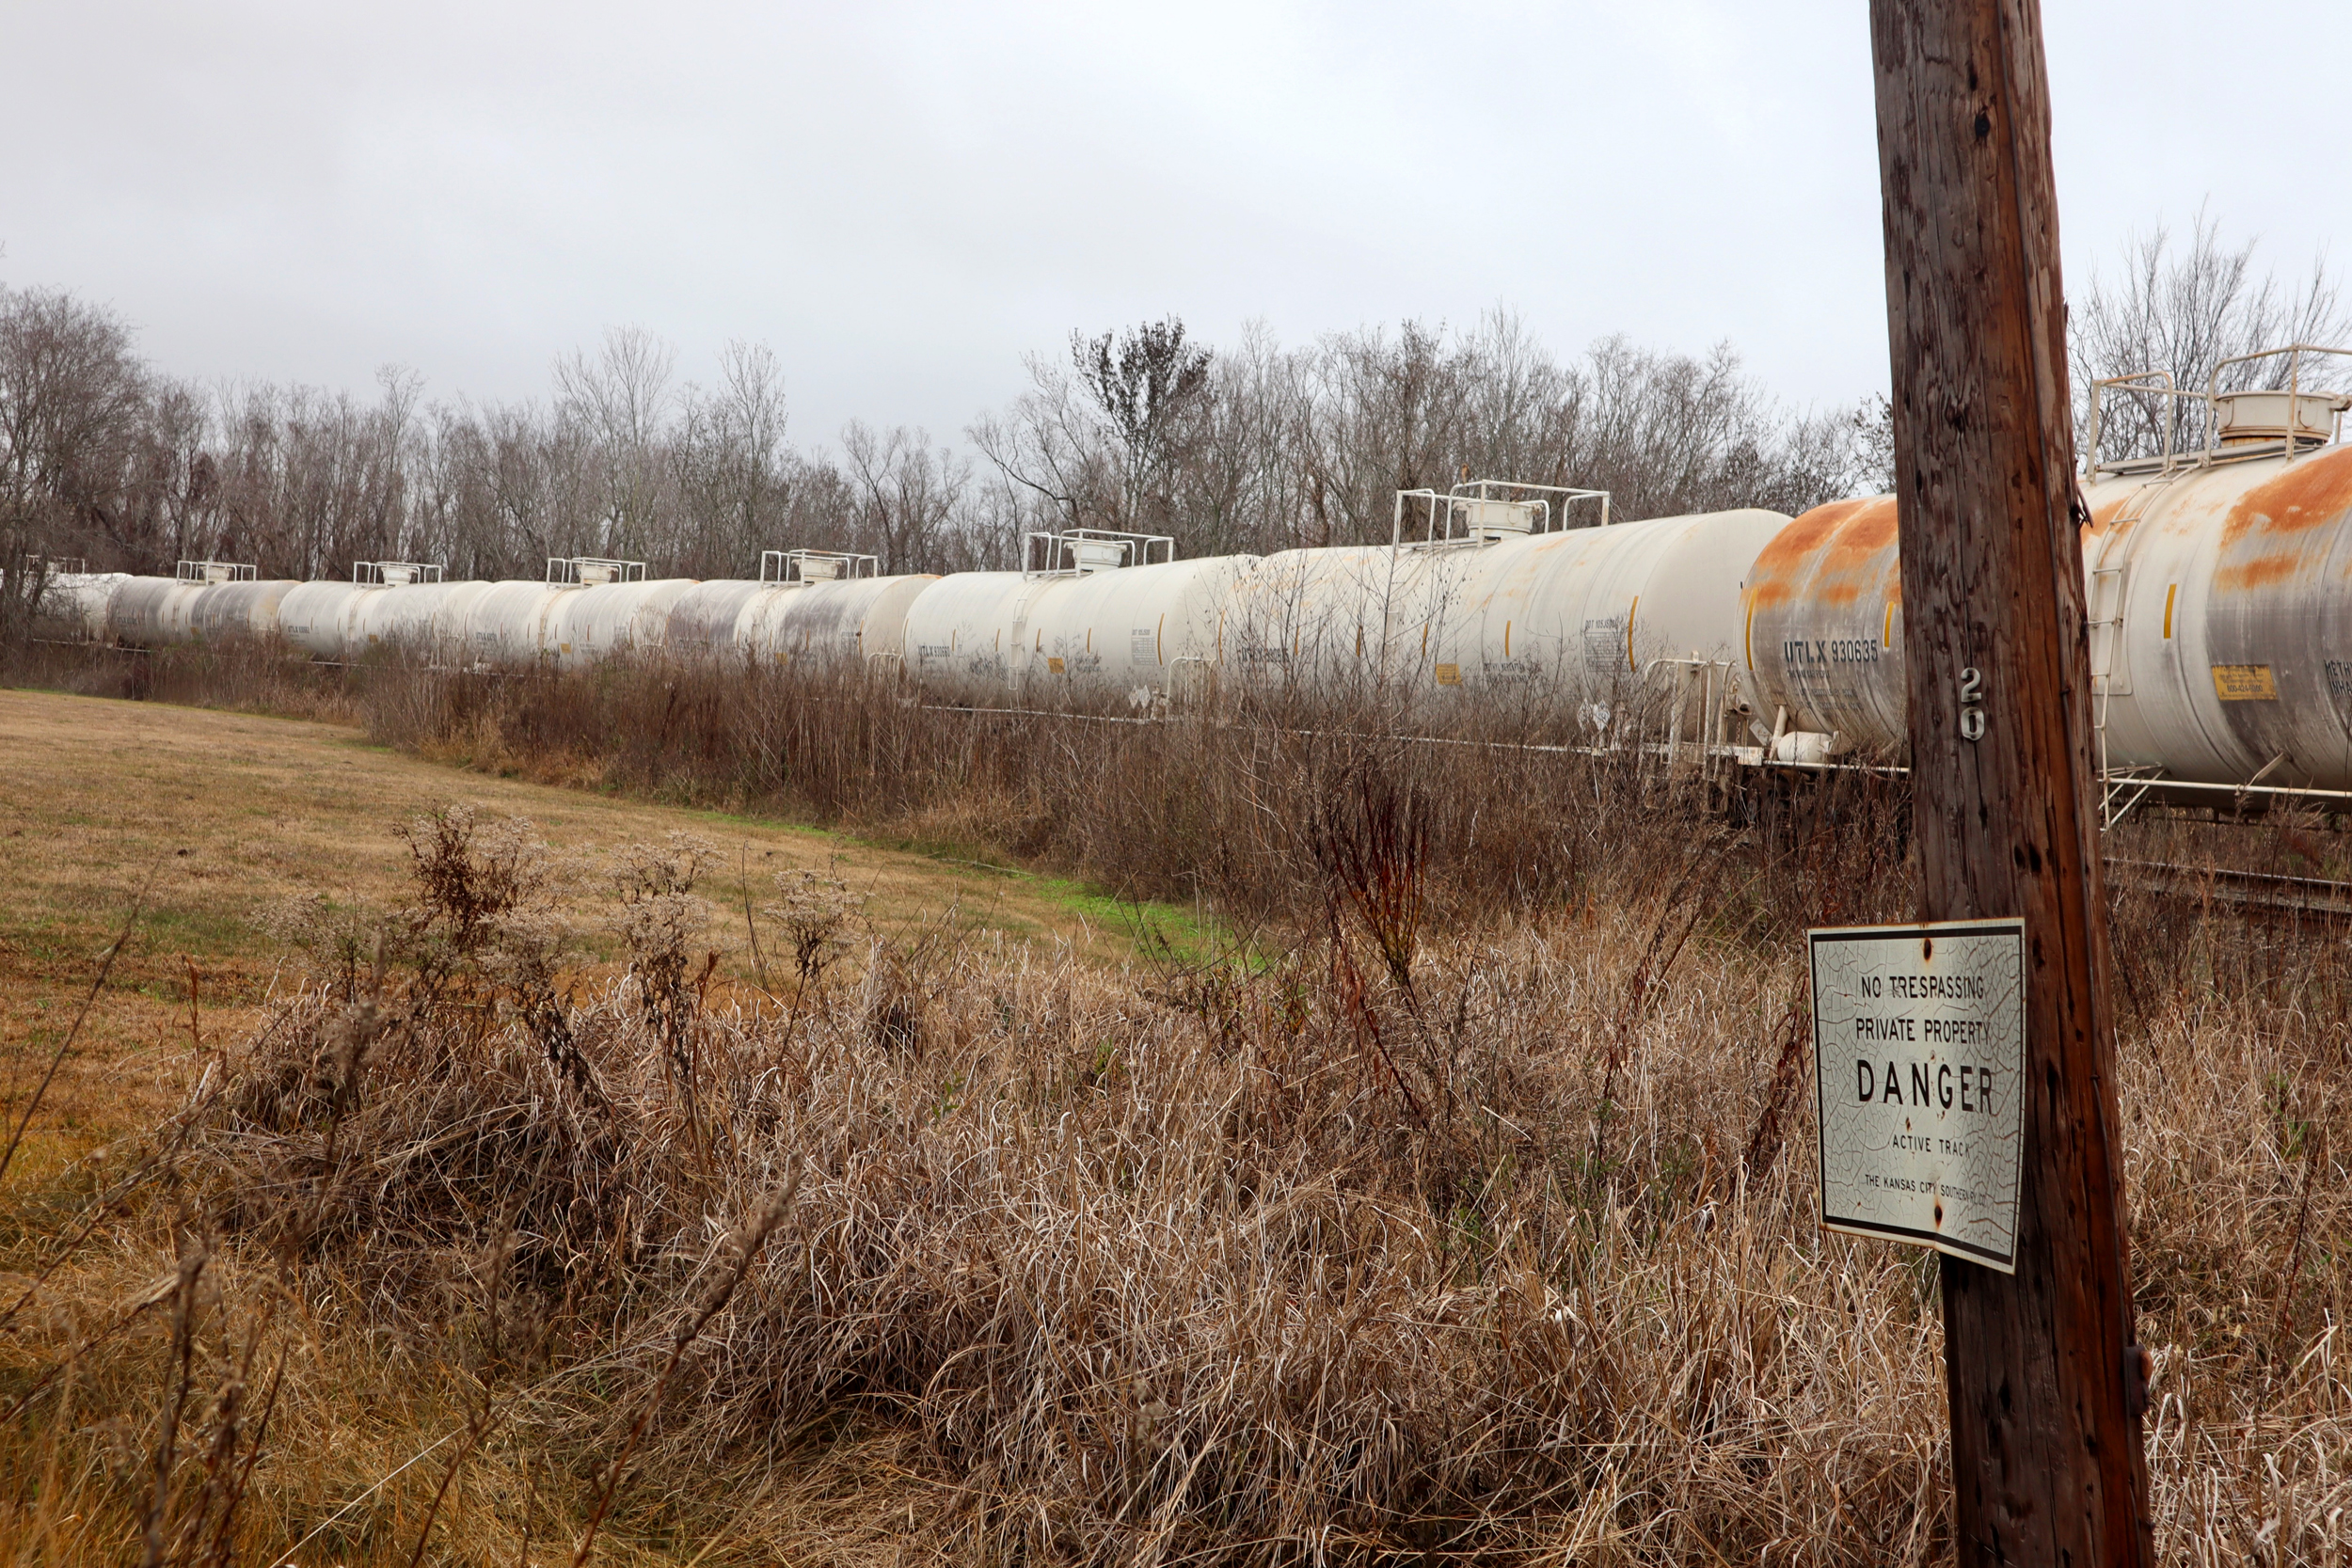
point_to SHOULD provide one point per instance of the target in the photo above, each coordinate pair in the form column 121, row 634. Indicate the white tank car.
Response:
column 2219, row 594
column 1140, row 632
column 843, row 620
column 966, row 636
column 1348, row 621
column 1823, row 639
column 74, row 605
column 704, row 620
column 148, row 612
column 1583, row 615
column 424, row 620
column 2221, row 611
column 233, row 610
column 508, row 626
column 612, row 618
column 316, row 617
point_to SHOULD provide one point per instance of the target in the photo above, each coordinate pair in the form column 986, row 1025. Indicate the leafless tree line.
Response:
column 103, row 458
column 1257, row 447
column 1250, row 447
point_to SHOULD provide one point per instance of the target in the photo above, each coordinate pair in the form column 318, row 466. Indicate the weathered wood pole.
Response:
column 2044, row 1379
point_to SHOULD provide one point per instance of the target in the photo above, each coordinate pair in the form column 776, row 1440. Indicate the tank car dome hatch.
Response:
column 396, row 574
column 592, row 571
column 783, row 566
column 216, row 571
column 1486, row 511
column 1489, row 520
column 2308, row 418
column 2166, row 427
column 1081, row 552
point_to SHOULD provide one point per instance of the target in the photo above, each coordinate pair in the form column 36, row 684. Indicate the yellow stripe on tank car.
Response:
column 2168, row 593
column 1886, row 637
column 1158, row 633
column 1631, row 611
column 1506, row 639
column 1747, row 637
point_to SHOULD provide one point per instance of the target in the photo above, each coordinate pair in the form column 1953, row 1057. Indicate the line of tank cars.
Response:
column 2219, row 583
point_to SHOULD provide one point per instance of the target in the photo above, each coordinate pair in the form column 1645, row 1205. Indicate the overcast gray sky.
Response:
column 902, row 197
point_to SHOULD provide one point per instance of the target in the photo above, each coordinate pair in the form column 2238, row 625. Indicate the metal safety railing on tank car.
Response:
column 592, row 570
column 1491, row 514
column 2294, row 433
column 1080, row 551
column 783, row 566
column 396, row 574
column 216, row 571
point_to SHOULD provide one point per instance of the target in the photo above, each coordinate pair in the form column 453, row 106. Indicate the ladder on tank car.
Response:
column 2106, row 637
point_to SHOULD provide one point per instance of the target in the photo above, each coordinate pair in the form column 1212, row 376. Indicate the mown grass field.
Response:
column 210, row 821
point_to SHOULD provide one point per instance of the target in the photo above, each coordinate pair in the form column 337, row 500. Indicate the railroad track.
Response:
column 2252, row 890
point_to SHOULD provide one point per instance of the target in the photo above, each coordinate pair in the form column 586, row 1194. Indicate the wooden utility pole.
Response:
column 2045, row 1384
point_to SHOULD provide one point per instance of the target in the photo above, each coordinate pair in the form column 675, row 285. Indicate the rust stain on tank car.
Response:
column 2102, row 514
column 2304, row 495
column 1831, row 553
column 1858, row 557
column 2272, row 534
column 2261, row 572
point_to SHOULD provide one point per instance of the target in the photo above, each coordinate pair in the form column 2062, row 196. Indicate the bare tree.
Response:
column 619, row 402
column 508, row 485
column 2186, row 311
column 1099, row 445
column 1242, row 485
column 73, row 400
column 735, row 471
column 907, row 493
column 1143, row 382
column 1049, row 454
column 303, row 482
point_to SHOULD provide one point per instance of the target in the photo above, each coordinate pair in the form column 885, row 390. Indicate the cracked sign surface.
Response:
column 1918, row 1056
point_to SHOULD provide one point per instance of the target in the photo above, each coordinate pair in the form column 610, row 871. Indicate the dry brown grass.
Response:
column 1463, row 1223
column 236, row 813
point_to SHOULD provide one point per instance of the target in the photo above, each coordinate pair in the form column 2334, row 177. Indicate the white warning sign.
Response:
column 1919, row 1054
